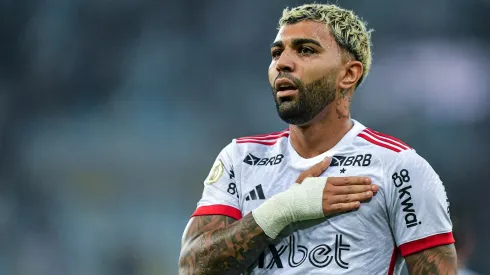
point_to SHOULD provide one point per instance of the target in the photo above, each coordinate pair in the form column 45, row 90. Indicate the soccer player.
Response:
column 328, row 195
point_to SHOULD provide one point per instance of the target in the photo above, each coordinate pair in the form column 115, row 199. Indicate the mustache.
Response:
column 298, row 83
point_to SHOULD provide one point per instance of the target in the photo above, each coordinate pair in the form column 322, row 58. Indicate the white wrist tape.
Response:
column 300, row 202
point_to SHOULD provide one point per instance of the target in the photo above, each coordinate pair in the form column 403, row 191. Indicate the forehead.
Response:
column 305, row 29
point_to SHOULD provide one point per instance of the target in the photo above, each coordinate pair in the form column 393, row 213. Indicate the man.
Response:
column 282, row 203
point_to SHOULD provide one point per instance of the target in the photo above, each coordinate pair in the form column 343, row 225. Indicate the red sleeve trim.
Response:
column 218, row 209
column 426, row 243
column 391, row 269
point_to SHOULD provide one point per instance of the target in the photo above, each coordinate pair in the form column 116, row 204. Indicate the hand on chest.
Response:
column 262, row 182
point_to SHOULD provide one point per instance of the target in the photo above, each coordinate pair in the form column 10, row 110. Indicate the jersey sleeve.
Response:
column 220, row 194
column 418, row 207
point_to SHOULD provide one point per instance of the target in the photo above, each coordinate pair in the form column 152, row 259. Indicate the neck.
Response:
column 320, row 135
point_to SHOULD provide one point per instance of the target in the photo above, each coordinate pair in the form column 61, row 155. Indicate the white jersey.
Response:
column 409, row 213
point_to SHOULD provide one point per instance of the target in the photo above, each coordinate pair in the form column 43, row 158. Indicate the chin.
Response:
column 294, row 119
column 297, row 117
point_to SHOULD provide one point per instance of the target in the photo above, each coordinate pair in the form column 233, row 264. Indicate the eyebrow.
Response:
column 296, row 42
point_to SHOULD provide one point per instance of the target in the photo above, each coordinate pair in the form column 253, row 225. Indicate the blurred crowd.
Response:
column 112, row 113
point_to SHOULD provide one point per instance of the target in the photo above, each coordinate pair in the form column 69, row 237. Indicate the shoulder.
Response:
column 268, row 139
column 262, row 143
column 384, row 146
column 391, row 150
column 381, row 142
column 259, row 145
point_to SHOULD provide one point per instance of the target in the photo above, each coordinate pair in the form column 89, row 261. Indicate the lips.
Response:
column 284, row 84
column 285, row 88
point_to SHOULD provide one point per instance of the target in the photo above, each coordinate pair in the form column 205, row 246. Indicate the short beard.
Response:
column 312, row 98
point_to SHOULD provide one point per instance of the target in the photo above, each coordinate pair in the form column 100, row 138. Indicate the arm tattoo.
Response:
column 220, row 245
column 434, row 261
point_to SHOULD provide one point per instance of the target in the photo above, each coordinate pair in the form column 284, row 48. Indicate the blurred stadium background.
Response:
column 112, row 113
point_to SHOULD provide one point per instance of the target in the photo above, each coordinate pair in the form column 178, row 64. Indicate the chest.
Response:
column 272, row 176
column 333, row 242
column 262, row 178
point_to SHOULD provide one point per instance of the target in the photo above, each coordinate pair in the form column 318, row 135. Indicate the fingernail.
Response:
column 326, row 160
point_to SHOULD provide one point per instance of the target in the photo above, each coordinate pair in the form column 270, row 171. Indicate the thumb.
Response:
column 326, row 163
column 315, row 171
column 319, row 168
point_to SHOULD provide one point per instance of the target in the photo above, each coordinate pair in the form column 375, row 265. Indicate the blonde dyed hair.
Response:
column 348, row 29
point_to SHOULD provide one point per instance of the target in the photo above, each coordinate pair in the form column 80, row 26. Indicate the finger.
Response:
column 341, row 208
column 338, row 181
column 353, row 189
column 315, row 171
column 351, row 197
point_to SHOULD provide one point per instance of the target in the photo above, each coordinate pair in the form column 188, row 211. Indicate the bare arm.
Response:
column 221, row 245
column 434, row 261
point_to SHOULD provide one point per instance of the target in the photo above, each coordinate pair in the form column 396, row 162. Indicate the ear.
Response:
column 351, row 74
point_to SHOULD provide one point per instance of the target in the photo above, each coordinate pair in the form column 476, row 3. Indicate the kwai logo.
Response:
column 405, row 197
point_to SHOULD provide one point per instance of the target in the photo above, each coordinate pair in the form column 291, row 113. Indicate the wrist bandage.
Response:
column 300, row 202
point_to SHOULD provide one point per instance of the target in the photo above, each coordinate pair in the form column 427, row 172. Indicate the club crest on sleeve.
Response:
column 216, row 172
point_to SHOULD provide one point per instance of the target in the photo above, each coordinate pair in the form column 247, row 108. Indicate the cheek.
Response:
column 316, row 72
column 272, row 72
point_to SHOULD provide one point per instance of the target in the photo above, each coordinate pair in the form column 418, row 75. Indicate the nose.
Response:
column 285, row 62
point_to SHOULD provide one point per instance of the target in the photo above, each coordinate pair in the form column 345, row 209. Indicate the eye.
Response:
column 306, row 51
column 276, row 53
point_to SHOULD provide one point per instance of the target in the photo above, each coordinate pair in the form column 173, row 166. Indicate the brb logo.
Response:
column 253, row 160
column 358, row 160
column 319, row 256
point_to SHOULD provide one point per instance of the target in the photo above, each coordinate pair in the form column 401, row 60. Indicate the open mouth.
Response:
column 285, row 89
column 286, row 95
